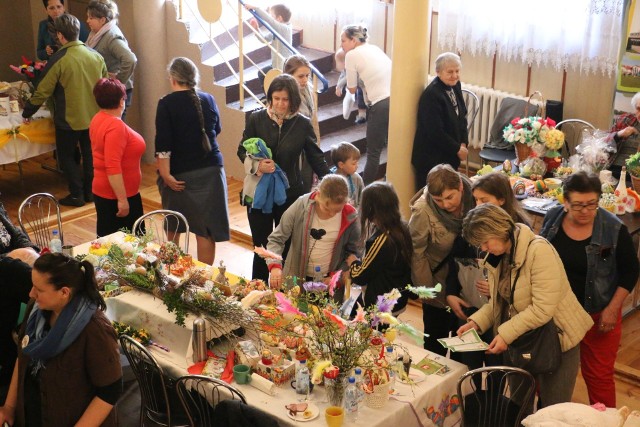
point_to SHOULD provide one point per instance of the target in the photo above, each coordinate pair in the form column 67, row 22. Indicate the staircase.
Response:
column 333, row 127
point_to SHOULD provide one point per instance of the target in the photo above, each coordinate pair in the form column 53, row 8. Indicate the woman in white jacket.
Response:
column 541, row 292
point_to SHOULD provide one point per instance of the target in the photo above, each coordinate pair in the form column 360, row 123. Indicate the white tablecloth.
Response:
column 433, row 399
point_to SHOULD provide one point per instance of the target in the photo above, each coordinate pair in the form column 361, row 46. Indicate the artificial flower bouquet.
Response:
column 531, row 131
column 31, row 72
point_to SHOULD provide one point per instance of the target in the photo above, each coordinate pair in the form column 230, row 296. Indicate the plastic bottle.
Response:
column 357, row 374
column 621, row 193
column 55, row 245
column 317, row 275
column 351, row 405
column 302, row 378
column 390, row 357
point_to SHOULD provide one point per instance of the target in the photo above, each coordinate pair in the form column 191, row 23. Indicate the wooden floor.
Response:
column 79, row 226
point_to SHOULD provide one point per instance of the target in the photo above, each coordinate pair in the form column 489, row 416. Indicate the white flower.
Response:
column 536, row 125
column 519, row 135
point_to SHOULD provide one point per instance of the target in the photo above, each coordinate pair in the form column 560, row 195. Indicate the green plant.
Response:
column 633, row 165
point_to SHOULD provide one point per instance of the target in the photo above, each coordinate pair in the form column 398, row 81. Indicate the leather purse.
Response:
column 537, row 351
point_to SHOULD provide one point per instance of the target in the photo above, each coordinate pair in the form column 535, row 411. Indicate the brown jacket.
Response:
column 68, row 382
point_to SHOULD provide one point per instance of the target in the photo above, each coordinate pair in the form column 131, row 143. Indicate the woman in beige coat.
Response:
column 436, row 220
column 542, row 292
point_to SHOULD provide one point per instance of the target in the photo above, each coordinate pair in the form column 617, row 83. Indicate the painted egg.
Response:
column 507, row 166
column 519, row 188
column 541, row 186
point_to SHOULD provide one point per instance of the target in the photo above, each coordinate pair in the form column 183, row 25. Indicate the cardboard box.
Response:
column 279, row 374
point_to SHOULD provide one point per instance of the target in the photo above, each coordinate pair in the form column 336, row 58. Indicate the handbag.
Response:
column 537, row 351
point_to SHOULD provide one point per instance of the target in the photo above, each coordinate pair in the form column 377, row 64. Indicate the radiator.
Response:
column 489, row 100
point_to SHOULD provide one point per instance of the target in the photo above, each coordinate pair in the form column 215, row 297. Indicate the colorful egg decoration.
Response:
column 541, row 186
column 507, row 166
column 520, row 189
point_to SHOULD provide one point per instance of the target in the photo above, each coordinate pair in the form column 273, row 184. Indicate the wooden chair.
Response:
column 200, row 395
column 36, row 216
column 473, row 107
column 501, row 396
column 155, row 405
column 164, row 224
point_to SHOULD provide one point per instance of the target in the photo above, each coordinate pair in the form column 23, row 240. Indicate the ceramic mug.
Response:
column 334, row 416
column 242, row 374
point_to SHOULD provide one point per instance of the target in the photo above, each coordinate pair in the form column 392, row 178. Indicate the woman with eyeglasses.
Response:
column 601, row 264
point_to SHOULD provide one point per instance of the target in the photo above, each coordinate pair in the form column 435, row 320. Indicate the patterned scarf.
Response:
column 94, row 37
column 451, row 223
column 43, row 345
column 278, row 118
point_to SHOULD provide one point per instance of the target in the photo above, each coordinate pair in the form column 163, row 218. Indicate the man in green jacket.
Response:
column 69, row 78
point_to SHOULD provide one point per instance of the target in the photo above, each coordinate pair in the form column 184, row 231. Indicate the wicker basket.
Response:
column 379, row 397
column 523, row 151
column 635, row 183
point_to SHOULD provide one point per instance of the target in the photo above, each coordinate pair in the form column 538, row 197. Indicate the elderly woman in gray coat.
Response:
column 108, row 40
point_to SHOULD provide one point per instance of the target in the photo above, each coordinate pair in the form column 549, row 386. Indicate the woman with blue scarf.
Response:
column 68, row 371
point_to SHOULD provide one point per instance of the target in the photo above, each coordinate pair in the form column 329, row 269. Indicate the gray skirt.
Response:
column 203, row 201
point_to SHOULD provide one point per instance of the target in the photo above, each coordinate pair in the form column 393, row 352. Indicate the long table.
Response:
column 434, row 398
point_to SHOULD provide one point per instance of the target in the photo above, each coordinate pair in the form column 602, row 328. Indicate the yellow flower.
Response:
column 554, row 139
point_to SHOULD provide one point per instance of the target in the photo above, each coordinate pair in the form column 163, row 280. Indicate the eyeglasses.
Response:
column 591, row 206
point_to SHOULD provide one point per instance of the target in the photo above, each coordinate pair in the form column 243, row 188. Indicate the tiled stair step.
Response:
column 320, row 59
column 253, row 48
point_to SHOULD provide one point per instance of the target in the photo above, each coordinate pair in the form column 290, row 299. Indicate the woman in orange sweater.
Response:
column 117, row 150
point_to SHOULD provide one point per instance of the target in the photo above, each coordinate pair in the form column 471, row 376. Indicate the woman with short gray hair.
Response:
column 441, row 127
column 529, row 287
column 108, row 40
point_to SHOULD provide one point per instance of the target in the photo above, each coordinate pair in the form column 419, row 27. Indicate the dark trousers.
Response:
column 377, row 131
column 262, row 224
column 438, row 323
column 127, row 103
column 79, row 179
column 106, row 210
column 420, row 179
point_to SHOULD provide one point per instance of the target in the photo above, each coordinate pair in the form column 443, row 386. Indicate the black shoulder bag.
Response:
column 537, row 351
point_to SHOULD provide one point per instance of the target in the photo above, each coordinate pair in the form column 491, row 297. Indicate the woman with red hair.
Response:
column 117, row 150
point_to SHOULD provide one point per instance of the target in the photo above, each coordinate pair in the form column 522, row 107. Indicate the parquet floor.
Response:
column 79, row 226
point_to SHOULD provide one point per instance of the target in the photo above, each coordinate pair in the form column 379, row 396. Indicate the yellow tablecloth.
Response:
column 19, row 141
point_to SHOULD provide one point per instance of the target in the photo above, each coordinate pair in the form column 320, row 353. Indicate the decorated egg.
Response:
column 507, row 166
column 519, row 189
column 540, row 186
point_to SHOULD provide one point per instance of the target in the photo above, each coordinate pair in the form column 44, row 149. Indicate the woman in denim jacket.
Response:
column 601, row 264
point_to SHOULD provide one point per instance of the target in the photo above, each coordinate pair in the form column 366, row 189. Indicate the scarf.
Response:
column 450, row 222
column 51, row 29
column 94, row 37
column 44, row 345
column 279, row 119
column 307, row 101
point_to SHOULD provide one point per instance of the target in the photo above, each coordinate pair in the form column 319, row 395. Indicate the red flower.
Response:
column 331, row 372
column 551, row 122
column 515, row 121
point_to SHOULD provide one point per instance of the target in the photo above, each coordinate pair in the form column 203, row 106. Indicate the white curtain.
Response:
column 328, row 12
column 582, row 35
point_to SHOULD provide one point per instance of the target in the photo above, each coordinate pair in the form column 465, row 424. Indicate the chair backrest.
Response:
column 473, row 107
column 500, row 396
column 573, row 130
column 200, row 394
column 38, row 214
column 150, row 377
column 164, row 224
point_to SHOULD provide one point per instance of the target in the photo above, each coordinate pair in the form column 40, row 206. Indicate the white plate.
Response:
column 299, row 416
column 416, row 376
